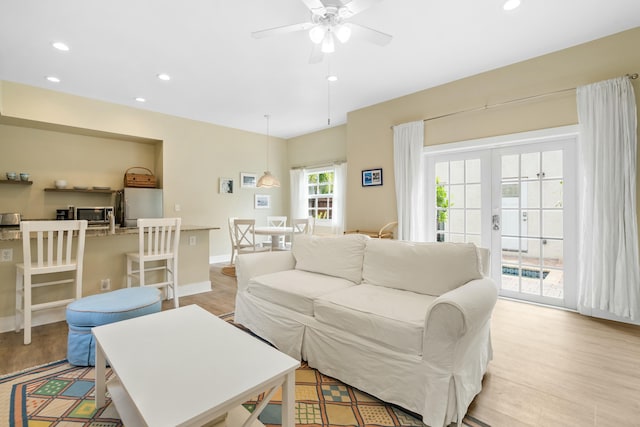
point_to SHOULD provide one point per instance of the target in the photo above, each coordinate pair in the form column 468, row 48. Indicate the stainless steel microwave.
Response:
column 97, row 215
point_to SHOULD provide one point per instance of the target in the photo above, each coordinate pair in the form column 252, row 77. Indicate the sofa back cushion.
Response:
column 339, row 256
column 426, row 268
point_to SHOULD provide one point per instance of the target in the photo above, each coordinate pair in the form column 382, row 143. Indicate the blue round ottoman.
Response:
column 101, row 309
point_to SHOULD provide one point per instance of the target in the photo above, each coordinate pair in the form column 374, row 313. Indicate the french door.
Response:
column 518, row 201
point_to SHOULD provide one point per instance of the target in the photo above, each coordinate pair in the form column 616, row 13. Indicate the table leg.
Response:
column 101, row 386
column 289, row 400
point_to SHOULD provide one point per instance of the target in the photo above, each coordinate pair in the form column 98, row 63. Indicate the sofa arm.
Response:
column 459, row 312
column 256, row 264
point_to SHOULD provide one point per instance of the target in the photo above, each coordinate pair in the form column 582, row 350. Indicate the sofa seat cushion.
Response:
column 295, row 289
column 391, row 317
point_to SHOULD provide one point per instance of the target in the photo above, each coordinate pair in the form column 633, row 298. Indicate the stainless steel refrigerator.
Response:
column 134, row 203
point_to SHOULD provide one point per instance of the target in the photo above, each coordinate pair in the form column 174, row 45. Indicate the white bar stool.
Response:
column 56, row 255
column 158, row 243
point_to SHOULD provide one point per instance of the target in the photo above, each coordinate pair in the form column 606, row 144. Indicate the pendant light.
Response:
column 267, row 180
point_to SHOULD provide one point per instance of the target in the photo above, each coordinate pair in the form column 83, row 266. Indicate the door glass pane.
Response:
column 552, row 223
column 473, row 197
column 510, row 167
column 552, row 283
column 457, row 172
column 530, row 165
column 531, row 223
column 473, row 171
column 456, row 196
column 456, row 220
column 473, row 221
column 442, row 172
column 531, row 194
column 552, row 193
column 552, row 164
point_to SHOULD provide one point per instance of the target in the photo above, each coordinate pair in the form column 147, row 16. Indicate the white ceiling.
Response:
column 221, row 75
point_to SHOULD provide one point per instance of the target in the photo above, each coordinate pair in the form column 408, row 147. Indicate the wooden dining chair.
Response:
column 59, row 251
column 245, row 238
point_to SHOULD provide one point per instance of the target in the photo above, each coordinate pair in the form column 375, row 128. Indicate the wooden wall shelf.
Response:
column 76, row 190
column 7, row 181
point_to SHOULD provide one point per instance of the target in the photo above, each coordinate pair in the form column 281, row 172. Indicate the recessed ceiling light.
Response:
column 511, row 4
column 165, row 77
column 60, row 46
column 53, row 79
column 332, row 78
column 141, row 99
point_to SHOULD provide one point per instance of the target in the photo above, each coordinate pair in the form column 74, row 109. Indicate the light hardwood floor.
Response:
column 550, row 367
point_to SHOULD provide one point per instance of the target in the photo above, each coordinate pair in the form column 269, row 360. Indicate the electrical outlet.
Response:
column 105, row 284
column 176, row 207
column 192, row 240
column 6, row 255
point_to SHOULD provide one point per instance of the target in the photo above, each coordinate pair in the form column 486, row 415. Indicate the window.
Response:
column 320, row 194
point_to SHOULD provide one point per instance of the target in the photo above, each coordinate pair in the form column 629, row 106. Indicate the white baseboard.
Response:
column 58, row 314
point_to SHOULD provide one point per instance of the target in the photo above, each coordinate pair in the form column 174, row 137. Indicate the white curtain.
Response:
column 408, row 145
column 298, row 193
column 609, row 276
column 339, row 198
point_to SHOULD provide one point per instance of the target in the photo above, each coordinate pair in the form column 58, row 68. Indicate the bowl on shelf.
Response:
column 60, row 183
column 11, row 176
column 24, row 176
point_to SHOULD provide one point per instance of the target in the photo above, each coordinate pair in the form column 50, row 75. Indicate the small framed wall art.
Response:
column 262, row 201
column 226, row 186
column 248, row 180
column 371, row 177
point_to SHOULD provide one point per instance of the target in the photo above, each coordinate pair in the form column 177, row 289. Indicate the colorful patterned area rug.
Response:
column 62, row 395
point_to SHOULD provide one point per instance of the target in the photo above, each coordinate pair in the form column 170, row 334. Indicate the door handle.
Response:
column 495, row 221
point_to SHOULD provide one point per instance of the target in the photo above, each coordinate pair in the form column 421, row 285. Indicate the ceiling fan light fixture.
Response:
column 316, row 34
column 343, row 33
column 511, row 4
column 328, row 45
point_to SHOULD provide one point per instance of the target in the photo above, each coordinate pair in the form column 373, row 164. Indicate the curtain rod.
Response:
column 511, row 101
column 320, row 165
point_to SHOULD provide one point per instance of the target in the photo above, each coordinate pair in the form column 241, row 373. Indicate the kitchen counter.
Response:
column 104, row 261
column 13, row 233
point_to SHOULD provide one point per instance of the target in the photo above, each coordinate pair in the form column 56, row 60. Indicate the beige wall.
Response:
column 370, row 138
column 194, row 156
column 79, row 159
column 318, row 148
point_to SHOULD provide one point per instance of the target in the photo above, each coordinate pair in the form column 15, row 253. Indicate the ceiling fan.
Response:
column 328, row 23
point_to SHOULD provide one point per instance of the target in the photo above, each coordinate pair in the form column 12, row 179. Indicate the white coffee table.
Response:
column 187, row 367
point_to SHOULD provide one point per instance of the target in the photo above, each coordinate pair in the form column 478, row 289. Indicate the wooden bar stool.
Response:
column 56, row 254
column 158, row 242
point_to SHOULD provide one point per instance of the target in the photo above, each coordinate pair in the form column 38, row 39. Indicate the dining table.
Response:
column 274, row 232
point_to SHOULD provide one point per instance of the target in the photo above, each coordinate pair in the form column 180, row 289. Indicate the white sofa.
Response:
column 405, row 322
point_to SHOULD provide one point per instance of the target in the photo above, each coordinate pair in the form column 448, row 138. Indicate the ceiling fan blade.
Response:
column 356, row 6
column 316, row 54
column 282, row 30
column 315, row 6
column 369, row 34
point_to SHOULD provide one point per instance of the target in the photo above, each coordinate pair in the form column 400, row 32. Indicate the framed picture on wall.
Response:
column 248, row 180
column 226, row 186
column 371, row 177
column 262, row 201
